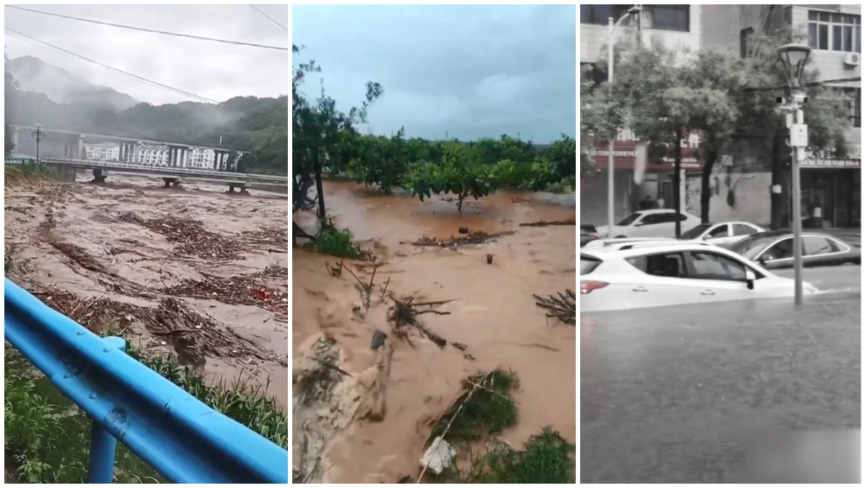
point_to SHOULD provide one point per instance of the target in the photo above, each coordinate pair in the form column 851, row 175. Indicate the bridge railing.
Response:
column 174, row 170
column 179, row 436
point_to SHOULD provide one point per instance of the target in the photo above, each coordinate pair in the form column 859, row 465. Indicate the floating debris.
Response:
column 562, row 306
column 190, row 236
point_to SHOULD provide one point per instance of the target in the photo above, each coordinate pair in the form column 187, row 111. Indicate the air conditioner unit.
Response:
column 852, row 59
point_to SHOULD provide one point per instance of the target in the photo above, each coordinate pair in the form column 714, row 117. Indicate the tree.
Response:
column 319, row 128
column 602, row 116
column 460, row 172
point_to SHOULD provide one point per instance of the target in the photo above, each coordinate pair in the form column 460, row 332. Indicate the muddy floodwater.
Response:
column 192, row 271
column 372, row 424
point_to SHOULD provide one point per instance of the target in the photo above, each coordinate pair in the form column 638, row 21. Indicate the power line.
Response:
column 122, row 72
column 269, row 18
column 201, row 38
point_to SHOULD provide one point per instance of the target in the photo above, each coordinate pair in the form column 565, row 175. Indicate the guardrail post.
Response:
column 101, row 465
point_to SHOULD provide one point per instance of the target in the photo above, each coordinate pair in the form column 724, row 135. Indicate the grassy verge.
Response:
column 18, row 174
column 47, row 437
column 485, row 409
column 337, row 242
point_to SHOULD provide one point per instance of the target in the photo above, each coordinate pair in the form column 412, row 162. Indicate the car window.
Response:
column 719, row 231
column 836, row 246
column 713, row 266
column 671, row 217
column 628, row 219
column 743, row 230
column 781, row 250
column 588, row 265
column 651, row 219
column 666, row 265
column 816, row 246
column 695, row 232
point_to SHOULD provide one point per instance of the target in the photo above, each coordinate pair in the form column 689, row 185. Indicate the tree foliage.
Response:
column 662, row 94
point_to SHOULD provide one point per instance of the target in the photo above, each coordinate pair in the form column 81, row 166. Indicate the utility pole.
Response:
column 37, row 134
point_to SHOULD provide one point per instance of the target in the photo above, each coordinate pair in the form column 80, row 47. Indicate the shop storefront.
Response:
column 656, row 182
column 831, row 192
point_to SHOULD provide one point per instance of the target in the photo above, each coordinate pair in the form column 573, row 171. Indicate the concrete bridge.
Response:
column 66, row 144
column 172, row 175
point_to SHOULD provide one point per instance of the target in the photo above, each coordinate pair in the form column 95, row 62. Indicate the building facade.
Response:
column 677, row 26
column 108, row 151
column 830, row 187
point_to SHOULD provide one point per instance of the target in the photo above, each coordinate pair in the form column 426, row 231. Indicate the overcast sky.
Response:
column 213, row 70
column 474, row 71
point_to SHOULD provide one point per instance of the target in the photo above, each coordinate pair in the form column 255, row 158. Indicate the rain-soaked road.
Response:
column 681, row 394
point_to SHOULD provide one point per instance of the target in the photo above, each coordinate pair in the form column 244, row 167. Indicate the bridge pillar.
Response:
column 80, row 154
column 242, row 188
column 99, row 175
column 171, row 182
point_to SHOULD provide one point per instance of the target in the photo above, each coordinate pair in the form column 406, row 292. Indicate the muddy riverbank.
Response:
column 373, row 417
column 192, row 271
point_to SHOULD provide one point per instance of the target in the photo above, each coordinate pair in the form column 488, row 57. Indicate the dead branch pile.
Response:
column 273, row 271
column 474, row 237
column 269, row 236
column 562, row 306
column 78, row 255
column 544, row 223
column 237, row 290
column 192, row 335
column 403, row 315
column 190, row 236
column 314, row 380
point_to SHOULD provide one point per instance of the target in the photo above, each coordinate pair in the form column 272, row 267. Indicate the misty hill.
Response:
column 258, row 125
column 61, row 86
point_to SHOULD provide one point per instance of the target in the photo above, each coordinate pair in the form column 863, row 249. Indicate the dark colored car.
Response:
column 774, row 250
column 589, row 233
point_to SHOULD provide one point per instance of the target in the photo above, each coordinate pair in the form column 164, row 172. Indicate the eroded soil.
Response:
column 364, row 417
column 195, row 272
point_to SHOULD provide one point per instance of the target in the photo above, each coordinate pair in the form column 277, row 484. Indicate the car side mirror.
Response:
column 639, row 224
column 751, row 277
column 706, row 237
column 765, row 258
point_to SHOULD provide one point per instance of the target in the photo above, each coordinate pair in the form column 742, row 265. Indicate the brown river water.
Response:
column 70, row 243
column 494, row 315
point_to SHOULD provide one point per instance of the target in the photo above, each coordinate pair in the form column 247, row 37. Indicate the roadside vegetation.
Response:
column 471, row 424
column 47, row 437
column 27, row 173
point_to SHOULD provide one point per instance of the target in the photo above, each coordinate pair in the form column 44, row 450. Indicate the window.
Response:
column 599, row 14
column 663, row 265
column 588, row 264
column 834, row 31
column 743, row 230
column 719, row 231
column 746, row 39
column 668, row 17
column 781, row 250
column 712, row 266
column 816, row 246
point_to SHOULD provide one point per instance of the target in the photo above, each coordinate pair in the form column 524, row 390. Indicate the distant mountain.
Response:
column 61, row 86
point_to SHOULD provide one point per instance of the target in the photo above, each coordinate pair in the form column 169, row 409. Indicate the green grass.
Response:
column 337, row 242
column 485, row 409
column 47, row 437
column 488, row 410
column 546, row 458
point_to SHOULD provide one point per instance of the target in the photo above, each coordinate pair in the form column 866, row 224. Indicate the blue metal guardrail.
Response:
column 179, row 436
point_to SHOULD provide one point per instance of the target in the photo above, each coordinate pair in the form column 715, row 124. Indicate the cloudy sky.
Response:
column 209, row 69
column 474, row 71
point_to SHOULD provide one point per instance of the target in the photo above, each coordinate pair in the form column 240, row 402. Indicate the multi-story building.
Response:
column 829, row 187
column 676, row 25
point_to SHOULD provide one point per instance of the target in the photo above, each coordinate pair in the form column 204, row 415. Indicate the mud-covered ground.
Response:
column 366, row 417
column 193, row 271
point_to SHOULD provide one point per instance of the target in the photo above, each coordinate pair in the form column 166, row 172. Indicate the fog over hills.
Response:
column 61, row 86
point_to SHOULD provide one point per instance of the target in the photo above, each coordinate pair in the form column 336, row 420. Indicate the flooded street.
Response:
column 493, row 314
column 192, row 271
column 686, row 394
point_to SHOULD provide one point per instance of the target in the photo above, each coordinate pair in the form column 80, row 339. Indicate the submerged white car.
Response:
column 650, row 223
column 722, row 233
column 677, row 274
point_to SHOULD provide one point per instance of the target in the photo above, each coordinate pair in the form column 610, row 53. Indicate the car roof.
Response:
column 789, row 233
column 661, row 248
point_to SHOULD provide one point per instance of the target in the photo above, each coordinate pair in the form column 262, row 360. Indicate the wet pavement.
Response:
column 681, row 394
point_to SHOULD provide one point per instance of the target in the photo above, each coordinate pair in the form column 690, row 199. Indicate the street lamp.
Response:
column 795, row 57
column 611, row 168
